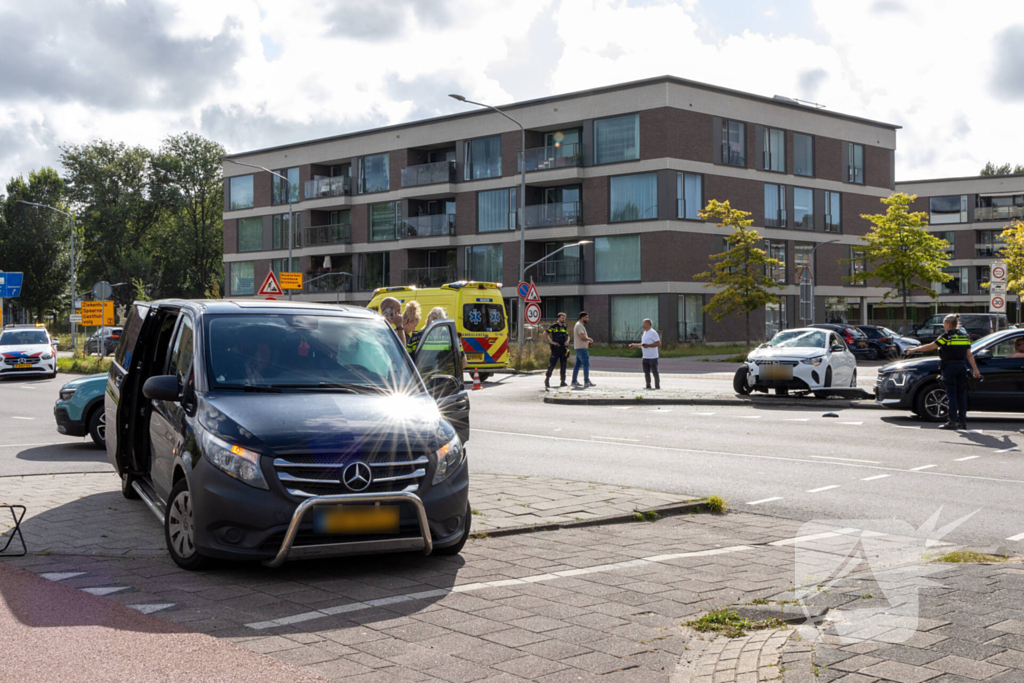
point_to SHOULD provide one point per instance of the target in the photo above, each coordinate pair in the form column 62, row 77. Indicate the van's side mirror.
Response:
column 441, row 386
column 161, row 388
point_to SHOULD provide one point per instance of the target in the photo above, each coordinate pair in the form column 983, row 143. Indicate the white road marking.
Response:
column 673, row 449
column 749, row 417
column 764, row 500
column 702, row 414
column 18, row 417
column 829, row 457
column 1018, row 537
column 823, row 488
column 922, row 467
column 1005, row 450
column 622, row 407
column 616, row 438
column 812, row 537
column 151, row 607
column 26, row 445
column 796, row 419
column 105, row 590
column 27, row 386
column 877, row 476
column 661, row 410
column 907, row 426
column 60, row 576
column 973, row 457
column 850, row 423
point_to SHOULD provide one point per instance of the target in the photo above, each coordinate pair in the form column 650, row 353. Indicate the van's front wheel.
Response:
column 179, row 529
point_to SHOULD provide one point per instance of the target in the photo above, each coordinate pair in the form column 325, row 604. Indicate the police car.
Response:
column 27, row 350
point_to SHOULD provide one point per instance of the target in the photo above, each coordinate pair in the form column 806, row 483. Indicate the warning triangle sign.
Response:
column 532, row 297
column 270, row 286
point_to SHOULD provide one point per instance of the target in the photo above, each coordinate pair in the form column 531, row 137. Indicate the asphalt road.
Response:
column 790, row 462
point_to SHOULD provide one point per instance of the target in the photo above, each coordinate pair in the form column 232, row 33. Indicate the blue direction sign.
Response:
column 10, row 285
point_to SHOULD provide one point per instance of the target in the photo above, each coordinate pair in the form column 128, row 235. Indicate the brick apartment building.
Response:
column 624, row 167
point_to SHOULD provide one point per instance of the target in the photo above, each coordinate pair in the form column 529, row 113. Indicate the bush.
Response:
column 536, row 355
column 83, row 365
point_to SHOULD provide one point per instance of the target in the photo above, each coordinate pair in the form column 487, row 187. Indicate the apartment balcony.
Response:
column 988, row 249
column 429, row 277
column 998, row 213
column 428, row 174
column 567, row 271
column 775, row 220
column 320, row 283
column 368, row 282
column 437, row 225
column 547, row 158
column 336, row 233
column 340, row 186
column 552, row 215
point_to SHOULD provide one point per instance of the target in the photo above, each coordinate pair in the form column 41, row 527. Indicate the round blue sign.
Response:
column 524, row 289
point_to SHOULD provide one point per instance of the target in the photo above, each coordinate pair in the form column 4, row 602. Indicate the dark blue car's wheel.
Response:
column 931, row 403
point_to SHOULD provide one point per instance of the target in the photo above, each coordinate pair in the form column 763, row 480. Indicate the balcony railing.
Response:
column 998, row 213
column 317, row 283
column 988, row 249
column 778, row 220
column 429, row 277
column 427, row 226
column 368, row 282
column 559, row 271
column 547, row 158
column 335, row 233
column 549, row 215
column 428, row 174
column 340, row 186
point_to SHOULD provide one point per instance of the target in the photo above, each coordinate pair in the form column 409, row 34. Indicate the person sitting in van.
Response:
column 1018, row 348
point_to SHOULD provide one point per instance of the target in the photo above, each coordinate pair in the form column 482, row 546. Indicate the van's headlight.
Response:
column 817, row 360
column 240, row 463
column 66, row 393
column 898, row 378
column 449, row 457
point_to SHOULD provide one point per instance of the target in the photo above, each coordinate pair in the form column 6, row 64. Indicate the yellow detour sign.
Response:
column 97, row 313
column 291, row 280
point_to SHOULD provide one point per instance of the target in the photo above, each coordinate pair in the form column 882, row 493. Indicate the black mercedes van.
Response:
column 259, row 430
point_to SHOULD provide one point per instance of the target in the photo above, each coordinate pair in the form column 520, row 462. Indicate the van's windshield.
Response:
column 298, row 351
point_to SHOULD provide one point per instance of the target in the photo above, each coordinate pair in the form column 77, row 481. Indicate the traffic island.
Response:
column 617, row 396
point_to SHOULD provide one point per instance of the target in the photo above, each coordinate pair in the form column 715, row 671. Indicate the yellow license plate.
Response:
column 782, row 372
column 22, row 366
column 357, row 519
column 475, row 357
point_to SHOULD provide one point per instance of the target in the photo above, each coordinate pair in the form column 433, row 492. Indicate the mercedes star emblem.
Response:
column 357, row 476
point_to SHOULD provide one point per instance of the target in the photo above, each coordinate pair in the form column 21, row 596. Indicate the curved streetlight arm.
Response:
column 567, row 246
column 45, row 206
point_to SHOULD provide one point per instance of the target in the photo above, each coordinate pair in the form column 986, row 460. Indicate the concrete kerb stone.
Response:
column 661, row 510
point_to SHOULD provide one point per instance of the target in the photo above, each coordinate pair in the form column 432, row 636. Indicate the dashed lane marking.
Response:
column 151, row 607
column 622, row 407
column 749, row 417
column 907, row 426
column 704, row 414
column 823, row 488
column 877, row 476
column 764, row 500
column 922, row 467
column 60, row 576
column 974, row 457
column 617, row 438
column 1018, row 537
column 796, row 419
column 26, row 445
column 105, row 590
column 850, row 423
column 18, row 417
column 829, row 457
column 1005, row 450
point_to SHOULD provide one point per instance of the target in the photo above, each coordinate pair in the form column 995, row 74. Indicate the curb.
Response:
column 662, row 510
column 806, row 403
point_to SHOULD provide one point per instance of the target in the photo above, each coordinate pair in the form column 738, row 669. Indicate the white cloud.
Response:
column 946, row 75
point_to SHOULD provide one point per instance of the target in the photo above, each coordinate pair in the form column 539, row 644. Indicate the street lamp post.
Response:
column 72, row 219
column 521, row 217
column 567, row 246
column 814, row 249
column 291, row 223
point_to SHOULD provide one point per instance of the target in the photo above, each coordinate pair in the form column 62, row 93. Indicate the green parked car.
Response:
column 79, row 410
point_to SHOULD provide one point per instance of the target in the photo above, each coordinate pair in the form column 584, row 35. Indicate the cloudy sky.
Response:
column 255, row 73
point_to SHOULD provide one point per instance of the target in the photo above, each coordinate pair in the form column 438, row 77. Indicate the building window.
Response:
column 958, row 285
column 240, row 191
column 279, row 231
column 999, row 207
column 373, row 174
column 570, row 305
column 283, row 192
column 384, row 219
column 983, row 277
column 854, row 163
column 734, row 149
column 950, row 237
column 250, row 234
column 775, row 150
column 803, row 208
column 833, row 213
column 634, row 197
column 496, row 210
column 242, row 279
column 948, row 209
column 988, row 244
column 280, row 265
column 375, row 270
column 483, row 158
column 802, row 259
column 857, row 266
column 617, row 259
column 775, row 318
column 483, row 263
column 803, row 154
column 691, row 317
column 774, row 206
column 689, row 195
column 776, row 250
column 628, row 313
column 617, row 139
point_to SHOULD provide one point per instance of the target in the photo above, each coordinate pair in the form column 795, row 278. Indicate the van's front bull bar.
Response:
column 424, row 541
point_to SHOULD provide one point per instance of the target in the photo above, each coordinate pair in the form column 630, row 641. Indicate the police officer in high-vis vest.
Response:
column 954, row 347
column 557, row 336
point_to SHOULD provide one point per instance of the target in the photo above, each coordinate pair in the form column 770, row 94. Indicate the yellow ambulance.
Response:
column 479, row 314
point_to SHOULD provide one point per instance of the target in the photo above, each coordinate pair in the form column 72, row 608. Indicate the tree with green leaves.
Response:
column 1012, row 253
column 37, row 241
column 740, row 272
column 1005, row 169
column 900, row 253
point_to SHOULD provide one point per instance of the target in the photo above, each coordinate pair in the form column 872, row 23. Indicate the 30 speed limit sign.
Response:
column 532, row 314
column 997, row 304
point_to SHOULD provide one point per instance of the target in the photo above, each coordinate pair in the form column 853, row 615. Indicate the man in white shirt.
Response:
column 649, row 344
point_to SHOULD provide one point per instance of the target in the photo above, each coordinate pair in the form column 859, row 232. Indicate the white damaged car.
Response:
column 803, row 359
column 27, row 350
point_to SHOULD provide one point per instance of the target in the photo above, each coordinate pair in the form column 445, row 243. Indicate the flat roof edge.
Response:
column 968, row 177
